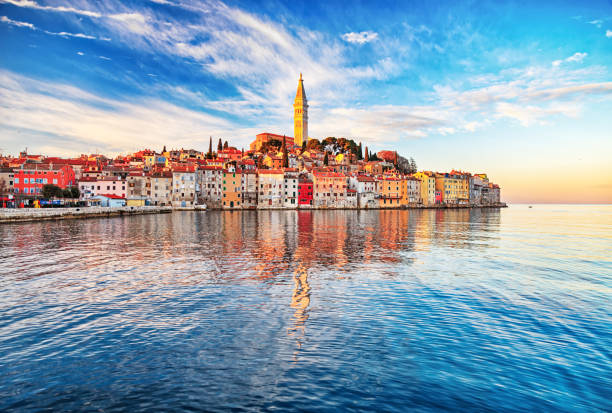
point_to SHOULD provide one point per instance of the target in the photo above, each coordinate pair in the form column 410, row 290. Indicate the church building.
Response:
column 300, row 123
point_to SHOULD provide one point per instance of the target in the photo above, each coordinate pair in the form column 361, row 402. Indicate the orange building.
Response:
column 390, row 192
column 232, row 189
column 267, row 137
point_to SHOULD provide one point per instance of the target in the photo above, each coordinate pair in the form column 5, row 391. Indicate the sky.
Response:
column 520, row 90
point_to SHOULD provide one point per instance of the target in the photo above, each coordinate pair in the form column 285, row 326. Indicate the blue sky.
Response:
column 520, row 90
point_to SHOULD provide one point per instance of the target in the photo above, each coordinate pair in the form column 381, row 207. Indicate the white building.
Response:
column 367, row 190
column 290, row 189
column 271, row 187
column 209, row 179
column 183, row 187
column 106, row 185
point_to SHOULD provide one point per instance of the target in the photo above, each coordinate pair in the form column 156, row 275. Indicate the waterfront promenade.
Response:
column 8, row 215
column 44, row 214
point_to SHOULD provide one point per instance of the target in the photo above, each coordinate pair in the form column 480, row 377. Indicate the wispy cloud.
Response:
column 5, row 19
column 30, row 26
column 90, row 121
column 576, row 58
column 34, row 5
column 596, row 22
column 609, row 33
column 361, row 37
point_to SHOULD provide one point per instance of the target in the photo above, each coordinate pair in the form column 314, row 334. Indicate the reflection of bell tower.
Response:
column 300, row 115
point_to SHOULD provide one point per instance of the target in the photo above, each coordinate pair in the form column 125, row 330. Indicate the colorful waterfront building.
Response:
column 210, row 188
column 428, row 187
column 330, row 190
column 290, row 188
column 390, row 192
column 30, row 178
column 232, row 189
column 159, row 188
column 271, row 183
column 107, row 185
column 183, row 186
column 453, row 187
column 411, row 191
column 366, row 188
column 249, row 188
column 305, row 192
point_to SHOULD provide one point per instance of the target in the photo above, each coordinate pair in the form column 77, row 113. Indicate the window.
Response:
column 25, row 180
column 16, row 180
column 25, row 190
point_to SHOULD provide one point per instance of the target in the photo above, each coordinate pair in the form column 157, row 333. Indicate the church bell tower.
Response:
column 300, row 115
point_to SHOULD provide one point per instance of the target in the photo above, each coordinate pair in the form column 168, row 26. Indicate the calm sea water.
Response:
column 481, row 310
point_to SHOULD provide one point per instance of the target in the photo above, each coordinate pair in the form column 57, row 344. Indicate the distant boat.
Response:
column 530, row 206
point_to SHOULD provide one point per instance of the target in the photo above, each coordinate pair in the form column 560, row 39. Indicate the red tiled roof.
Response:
column 111, row 196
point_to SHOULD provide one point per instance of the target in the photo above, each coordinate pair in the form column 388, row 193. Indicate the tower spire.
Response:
column 300, row 115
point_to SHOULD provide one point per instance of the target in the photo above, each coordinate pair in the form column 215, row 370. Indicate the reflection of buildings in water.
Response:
column 459, row 228
column 300, row 301
column 271, row 250
column 330, row 238
column 395, row 233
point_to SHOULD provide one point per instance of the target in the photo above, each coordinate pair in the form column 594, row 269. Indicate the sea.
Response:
column 470, row 310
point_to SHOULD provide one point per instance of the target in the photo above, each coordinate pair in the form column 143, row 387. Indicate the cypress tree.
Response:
column 210, row 146
column 367, row 157
column 360, row 152
column 285, row 154
column 304, row 145
column 326, row 159
column 225, row 145
column 219, row 146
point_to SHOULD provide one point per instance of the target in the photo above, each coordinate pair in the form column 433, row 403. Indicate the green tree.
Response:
column 367, row 155
column 413, row 166
column 313, row 144
column 285, row 154
column 304, row 145
column 225, row 145
column 326, row 159
column 360, row 152
column 75, row 193
column 219, row 146
column 51, row 191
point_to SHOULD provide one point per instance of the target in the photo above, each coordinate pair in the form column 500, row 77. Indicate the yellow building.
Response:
column 232, row 189
column 300, row 115
column 428, row 187
column 454, row 188
column 137, row 202
column 390, row 192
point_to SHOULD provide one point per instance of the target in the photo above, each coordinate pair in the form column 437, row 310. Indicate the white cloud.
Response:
column 609, row 33
column 80, row 53
column 531, row 114
column 596, row 22
column 89, row 121
column 30, row 26
column 361, row 37
column 34, row 5
column 576, row 58
column 5, row 19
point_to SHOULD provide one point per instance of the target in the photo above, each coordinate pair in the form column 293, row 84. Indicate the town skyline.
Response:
column 434, row 83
